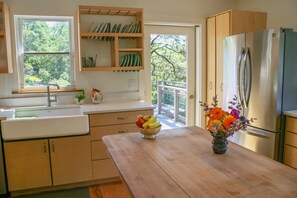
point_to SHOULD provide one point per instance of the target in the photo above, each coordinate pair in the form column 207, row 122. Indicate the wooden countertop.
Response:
column 181, row 163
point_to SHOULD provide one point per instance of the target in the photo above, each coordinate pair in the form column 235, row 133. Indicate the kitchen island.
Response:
column 181, row 163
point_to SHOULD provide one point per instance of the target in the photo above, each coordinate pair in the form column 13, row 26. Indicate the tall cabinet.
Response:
column 219, row 26
column 5, row 42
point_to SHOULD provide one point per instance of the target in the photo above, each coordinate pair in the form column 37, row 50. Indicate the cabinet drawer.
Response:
column 102, row 119
column 291, row 139
column 291, row 124
column 98, row 132
column 290, row 156
column 99, row 151
column 103, row 169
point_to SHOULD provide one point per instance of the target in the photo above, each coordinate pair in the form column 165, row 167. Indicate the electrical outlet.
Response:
column 132, row 84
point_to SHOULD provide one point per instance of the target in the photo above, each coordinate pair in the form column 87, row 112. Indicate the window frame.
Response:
column 20, row 50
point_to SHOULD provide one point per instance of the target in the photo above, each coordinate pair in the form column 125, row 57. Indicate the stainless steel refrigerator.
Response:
column 261, row 69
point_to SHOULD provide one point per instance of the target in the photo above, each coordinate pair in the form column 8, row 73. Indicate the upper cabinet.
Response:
column 218, row 27
column 5, row 42
column 110, row 38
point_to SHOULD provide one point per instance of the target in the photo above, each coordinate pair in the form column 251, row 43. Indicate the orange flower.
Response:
column 217, row 113
column 228, row 121
column 214, row 125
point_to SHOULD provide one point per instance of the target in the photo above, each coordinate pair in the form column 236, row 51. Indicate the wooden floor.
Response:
column 112, row 190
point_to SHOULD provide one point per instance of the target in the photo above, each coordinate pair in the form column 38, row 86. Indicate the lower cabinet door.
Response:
column 27, row 164
column 104, row 169
column 71, row 159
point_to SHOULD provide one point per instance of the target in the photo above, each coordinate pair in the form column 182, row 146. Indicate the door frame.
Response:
column 197, row 75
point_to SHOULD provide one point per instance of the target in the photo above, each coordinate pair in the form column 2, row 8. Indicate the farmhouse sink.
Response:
column 43, row 122
column 45, row 111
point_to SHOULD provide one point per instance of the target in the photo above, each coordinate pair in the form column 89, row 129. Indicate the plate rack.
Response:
column 110, row 38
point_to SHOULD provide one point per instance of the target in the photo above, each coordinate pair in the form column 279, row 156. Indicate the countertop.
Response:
column 181, row 163
column 106, row 107
column 103, row 107
column 292, row 113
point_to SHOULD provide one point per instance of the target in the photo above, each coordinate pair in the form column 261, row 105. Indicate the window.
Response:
column 45, row 51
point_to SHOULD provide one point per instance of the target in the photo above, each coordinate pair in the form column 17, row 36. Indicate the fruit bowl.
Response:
column 150, row 133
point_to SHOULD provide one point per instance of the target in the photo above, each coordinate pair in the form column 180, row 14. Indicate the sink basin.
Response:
column 43, row 122
column 44, row 111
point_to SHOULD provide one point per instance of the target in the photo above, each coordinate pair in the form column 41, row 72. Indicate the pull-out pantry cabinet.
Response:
column 218, row 27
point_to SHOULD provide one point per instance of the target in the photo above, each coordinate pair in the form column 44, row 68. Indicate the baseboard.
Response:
column 64, row 187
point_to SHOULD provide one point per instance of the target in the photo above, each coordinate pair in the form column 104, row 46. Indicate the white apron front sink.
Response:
column 43, row 122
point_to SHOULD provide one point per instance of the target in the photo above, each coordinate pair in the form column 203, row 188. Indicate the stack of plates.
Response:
column 134, row 27
column 130, row 60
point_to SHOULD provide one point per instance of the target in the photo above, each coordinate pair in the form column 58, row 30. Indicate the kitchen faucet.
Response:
column 49, row 100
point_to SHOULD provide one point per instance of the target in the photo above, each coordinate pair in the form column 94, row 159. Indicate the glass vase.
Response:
column 219, row 145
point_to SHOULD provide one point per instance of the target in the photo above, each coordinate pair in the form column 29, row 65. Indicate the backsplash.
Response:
column 115, row 86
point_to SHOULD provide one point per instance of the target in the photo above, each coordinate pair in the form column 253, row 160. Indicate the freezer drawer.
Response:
column 260, row 141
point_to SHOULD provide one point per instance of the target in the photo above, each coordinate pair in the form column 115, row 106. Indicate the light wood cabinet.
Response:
column 112, row 37
column 46, row 162
column 218, row 27
column 27, row 164
column 5, row 40
column 290, row 155
column 71, row 159
column 102, row 124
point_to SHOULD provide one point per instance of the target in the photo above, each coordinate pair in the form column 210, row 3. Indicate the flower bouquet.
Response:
column 221, row 124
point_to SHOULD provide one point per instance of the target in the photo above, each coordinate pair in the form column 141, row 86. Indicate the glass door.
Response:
column 170, row 72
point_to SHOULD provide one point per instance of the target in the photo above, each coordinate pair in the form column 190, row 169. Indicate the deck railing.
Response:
column 177, row 90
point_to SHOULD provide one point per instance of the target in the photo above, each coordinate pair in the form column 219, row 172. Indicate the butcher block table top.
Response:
column 181, row 163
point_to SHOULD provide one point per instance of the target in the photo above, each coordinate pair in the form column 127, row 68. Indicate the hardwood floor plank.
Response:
column 112, row 190
column 95, row 191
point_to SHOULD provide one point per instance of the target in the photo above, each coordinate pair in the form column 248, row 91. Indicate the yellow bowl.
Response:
column 150, row 133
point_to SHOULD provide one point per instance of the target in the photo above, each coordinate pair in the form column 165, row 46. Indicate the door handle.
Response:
column 53, row 147
column 239, row 77
column 44, row 147
column 191, row 96
column 221, row 87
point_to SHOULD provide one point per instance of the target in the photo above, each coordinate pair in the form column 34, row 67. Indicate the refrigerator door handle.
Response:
column 239, row 76
column 249, row 70
column 244, row 88
column 257, row 134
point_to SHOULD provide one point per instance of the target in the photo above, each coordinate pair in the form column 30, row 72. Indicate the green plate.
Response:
column 119, row 28
column 122, row 61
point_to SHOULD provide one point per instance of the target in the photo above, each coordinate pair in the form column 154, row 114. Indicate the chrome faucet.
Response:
column 49, row 100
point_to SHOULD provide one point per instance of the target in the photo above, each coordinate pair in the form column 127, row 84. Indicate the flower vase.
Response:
column 96, row 97
column 219, row 145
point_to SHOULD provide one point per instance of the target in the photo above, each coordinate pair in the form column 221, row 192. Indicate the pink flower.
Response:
column 235, row 113
column 95, row 90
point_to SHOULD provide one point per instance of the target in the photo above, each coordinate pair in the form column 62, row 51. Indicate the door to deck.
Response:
column 170, row 53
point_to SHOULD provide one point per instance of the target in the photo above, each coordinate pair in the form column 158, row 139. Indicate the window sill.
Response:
column 40, row 91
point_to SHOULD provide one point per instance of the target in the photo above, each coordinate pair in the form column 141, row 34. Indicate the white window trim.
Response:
column 20, row 50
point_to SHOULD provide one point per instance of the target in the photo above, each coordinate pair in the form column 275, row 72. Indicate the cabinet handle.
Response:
column 210, row 85
column 221, row 87
column 123, row 131
column 122, row 118
column 44, row 147
column 53, row 147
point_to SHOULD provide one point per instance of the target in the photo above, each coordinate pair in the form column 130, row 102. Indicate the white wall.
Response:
column 111, row 83
column 280, row 13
